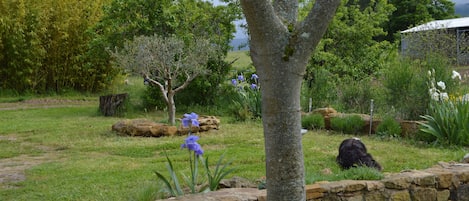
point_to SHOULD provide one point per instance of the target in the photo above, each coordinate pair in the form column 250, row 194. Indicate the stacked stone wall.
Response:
column 443, row 182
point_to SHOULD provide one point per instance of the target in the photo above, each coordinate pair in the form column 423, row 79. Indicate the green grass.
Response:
column 94, row 163
column 90, row 162
column 243, row 60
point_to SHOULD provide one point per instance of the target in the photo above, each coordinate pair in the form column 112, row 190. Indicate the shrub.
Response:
column 313, row 121
column 355, row 95
column 320, row 86
column 405, row 81
column 447, row 123
column 389, row 127
column 348, row 124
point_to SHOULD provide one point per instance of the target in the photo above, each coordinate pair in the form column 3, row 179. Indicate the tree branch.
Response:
column 287, row 10
column 314, row 25
column 264, row 26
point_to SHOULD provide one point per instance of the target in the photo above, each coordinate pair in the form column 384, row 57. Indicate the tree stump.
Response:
column 111, row 105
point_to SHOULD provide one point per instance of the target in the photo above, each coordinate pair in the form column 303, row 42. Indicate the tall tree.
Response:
column 164, row 61
column 349, row 48
column 280, row 47
column 414, row 12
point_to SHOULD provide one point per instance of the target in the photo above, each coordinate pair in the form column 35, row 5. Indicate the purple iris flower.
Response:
column 254, row 77
column 191, row 144
column 253, row 86
column 190, row 119
column 234, row 82
column 240, row 78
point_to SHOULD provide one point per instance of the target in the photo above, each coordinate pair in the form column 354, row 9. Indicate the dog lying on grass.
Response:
column 353, row 153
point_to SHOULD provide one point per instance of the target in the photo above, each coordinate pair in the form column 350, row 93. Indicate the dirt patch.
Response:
column 12, row 170
column 46, row 103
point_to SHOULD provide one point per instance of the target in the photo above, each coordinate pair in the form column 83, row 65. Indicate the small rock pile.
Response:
column 148, row 128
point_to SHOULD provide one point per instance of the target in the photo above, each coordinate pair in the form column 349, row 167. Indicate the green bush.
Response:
column 447, row 123
column 320, row 86
column 313, row 121
column 348, row 124
column 389, row 127
column 355, row 96
column 405, row 82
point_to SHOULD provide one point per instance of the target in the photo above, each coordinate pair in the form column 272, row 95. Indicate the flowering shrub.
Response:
column 247, row 103
column 195, row 150
column 448, row 119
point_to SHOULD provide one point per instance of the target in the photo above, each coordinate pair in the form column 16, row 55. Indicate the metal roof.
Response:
column 440, row 24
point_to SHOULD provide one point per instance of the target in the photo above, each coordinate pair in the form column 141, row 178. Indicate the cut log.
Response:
column 113, row 104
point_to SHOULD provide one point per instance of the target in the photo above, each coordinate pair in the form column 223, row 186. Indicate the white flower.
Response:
column 432, row 90
column 434, row 94
column 441, row 84
column 456, row 75
column 444, row 96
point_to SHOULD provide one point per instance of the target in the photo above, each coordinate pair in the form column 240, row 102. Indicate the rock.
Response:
column 143, row 127
column 236, row 182
column 466, row 158
column 229, row 194
column 324, row 111
column 148, row 128
column 206, row 123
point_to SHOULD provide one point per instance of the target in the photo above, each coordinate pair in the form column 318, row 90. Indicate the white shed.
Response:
column 448, row 36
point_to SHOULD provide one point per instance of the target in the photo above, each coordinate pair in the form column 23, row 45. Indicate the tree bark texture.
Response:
column 280, row 48
column 111, row 105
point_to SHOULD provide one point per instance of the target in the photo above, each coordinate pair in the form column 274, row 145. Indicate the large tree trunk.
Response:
column 280, row 49
column 282, row 123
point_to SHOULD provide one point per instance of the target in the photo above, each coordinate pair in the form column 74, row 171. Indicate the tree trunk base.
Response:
column 113, row 104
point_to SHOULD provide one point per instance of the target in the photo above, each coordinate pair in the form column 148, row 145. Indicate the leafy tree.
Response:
column 43, row 43
column 414, row 12
column 164, row 61
column 185, row 19
column 281, row 46
column 21, row 53
column 349, row 48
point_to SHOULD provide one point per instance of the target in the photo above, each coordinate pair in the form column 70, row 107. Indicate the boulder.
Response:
column 236, row 182
column 148, row 128
column 144, row 127
column 325, row 112
column 465, row 158
column 206, row 123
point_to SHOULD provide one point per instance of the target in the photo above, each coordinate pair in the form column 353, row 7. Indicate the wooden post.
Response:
column 110, row 105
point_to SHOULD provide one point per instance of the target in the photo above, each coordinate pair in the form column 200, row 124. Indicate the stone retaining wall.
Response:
column 443, row 182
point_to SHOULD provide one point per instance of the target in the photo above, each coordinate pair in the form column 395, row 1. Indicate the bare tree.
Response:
column 281, row 46
column 169, row 63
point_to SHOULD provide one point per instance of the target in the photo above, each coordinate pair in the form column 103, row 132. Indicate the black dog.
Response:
column 352, row 153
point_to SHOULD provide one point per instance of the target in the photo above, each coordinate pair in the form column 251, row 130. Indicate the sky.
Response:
column 240, row 32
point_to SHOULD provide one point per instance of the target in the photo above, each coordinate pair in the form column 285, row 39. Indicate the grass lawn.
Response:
column 84, row 160
column 241, row 59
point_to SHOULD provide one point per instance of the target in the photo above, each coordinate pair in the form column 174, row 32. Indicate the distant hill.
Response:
column 240, row 44
column 462, row 8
